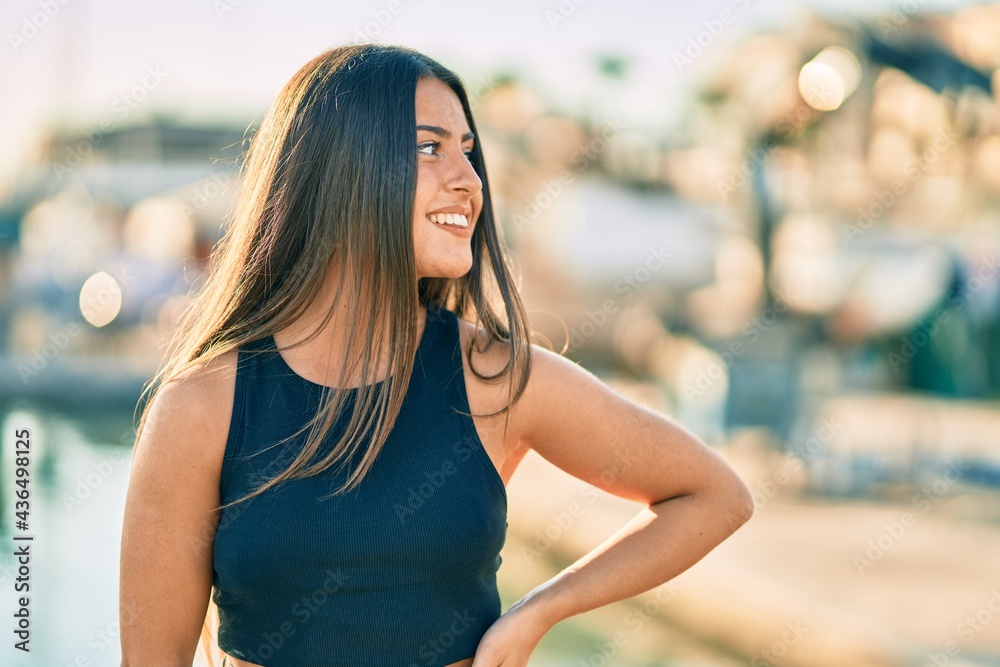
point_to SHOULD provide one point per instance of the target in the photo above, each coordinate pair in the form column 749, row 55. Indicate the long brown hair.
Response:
column 329, row 181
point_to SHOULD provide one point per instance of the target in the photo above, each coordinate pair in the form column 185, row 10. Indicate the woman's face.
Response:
column 448, row 188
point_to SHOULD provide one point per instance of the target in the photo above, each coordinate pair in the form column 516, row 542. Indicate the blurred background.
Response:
column 777, row 222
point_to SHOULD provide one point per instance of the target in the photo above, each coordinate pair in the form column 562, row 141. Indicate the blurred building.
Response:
column 103, row 235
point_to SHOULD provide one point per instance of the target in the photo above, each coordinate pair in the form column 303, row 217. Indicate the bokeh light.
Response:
column 100, row 299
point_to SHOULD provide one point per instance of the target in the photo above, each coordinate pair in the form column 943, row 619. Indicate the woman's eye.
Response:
column 431, row 148
column 433, row 144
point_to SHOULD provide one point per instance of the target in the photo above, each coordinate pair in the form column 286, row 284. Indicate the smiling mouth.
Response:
column 449, row 220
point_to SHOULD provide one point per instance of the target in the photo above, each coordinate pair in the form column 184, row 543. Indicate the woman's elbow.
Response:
column 735, row 502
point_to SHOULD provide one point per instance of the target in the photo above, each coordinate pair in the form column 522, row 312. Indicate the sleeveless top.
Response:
column 399, row 572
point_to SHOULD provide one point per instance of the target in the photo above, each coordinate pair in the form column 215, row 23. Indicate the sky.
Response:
column 88, row 61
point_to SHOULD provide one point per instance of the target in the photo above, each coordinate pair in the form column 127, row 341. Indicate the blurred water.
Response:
column 77, row 499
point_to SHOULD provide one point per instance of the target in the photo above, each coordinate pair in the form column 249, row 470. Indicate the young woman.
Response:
column 326, row 451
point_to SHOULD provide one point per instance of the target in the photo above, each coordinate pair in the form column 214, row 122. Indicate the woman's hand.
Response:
column 512, row 639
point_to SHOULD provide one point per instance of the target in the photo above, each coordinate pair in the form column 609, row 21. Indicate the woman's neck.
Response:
column 322, row 358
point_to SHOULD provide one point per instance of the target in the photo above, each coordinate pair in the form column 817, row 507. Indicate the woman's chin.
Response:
column 452, row 269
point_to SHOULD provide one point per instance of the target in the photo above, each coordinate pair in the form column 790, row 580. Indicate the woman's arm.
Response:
column 171, row 518
column 694, row 499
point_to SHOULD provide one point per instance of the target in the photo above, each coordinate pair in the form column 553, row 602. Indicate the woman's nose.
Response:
column 465, row 177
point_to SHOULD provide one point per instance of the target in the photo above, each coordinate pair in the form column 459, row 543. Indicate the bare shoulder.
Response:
column 487, row 362
column 188, row 421
column 549, row 372
column 555, row 381
column 172, row 513
column 489, row 396
column 575, row 421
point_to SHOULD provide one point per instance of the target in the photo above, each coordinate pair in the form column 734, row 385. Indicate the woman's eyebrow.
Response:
column 440, row 131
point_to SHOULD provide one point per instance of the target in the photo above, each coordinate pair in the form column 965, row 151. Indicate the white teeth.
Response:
column 456, row 219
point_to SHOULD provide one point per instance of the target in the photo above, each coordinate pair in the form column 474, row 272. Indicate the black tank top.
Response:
column 399, row 572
